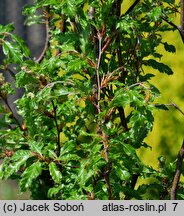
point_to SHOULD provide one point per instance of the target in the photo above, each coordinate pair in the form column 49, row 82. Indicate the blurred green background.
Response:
column 168, row 131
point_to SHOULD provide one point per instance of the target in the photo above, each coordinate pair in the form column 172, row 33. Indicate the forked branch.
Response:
column 40, row 58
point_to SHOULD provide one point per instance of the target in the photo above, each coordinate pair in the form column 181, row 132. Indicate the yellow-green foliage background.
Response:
column 168, row 131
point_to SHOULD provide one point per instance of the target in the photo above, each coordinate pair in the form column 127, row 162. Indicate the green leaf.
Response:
column 52, row 154
column 169, row 47
column 29, row 9
column 22, row 45
column 76, row 65
column 31, row 173
column 70, row 7
column 84, row 133
column 6, row 28
column 161, row 106
column 155, row 13
column 23, row 79
column 34, row 19
column 61, row 92
column 68, row 153
column 126, row 24
column 52, row 192
column 159, row 66
column 155, row 90
column 13, row 53
column 5, row 48
column 128, row 149
column 36, row 147
column 55, row 173
column 122, row 173
column 68, row 147
column 121, row 99
column 85, row 172
column 13, row 164
column 146, row 77
column 181, row 196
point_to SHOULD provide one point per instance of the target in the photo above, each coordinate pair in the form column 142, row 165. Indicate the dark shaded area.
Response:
column 11, row 12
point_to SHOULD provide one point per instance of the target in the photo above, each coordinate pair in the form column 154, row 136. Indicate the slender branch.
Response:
column 170, row 23
column 98, row 74
column 63, row 24
column 100, row 51
column 10, row 109
column 179, row 28
column 40, row 58
column 182, row 15
column 177, row 173
column 105, row 138
column 175, row 106
column 110, row 77
column 132, row 7
column 94, row 37
column 57, row 127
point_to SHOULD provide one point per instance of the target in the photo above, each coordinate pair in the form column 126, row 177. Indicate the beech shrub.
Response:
column 88, row 100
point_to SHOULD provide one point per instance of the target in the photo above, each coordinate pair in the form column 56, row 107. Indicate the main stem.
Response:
column 100, row 131
column 98, row 74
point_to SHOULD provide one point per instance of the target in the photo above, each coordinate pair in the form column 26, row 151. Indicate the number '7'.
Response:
column 175, row 204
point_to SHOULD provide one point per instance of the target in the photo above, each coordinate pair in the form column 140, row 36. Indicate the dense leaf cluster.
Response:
column 88, row 101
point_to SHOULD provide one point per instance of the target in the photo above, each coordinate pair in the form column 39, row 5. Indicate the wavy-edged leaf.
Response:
column 52, row 192
column 31, row 173
column 13, row 164
column 86, row 171
column 122, row 172
column 22, row 45
column 36, row 147
column 55, row 173
column 155, row 13
column 68, row 152
column 7, row 28
column 161, row 106
column 52, row 154
column 129, row 150
column 169, row 47
column 159, row 66
column 67, row 148
column 34, row 19
column 23, row 79
column 12, row 52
